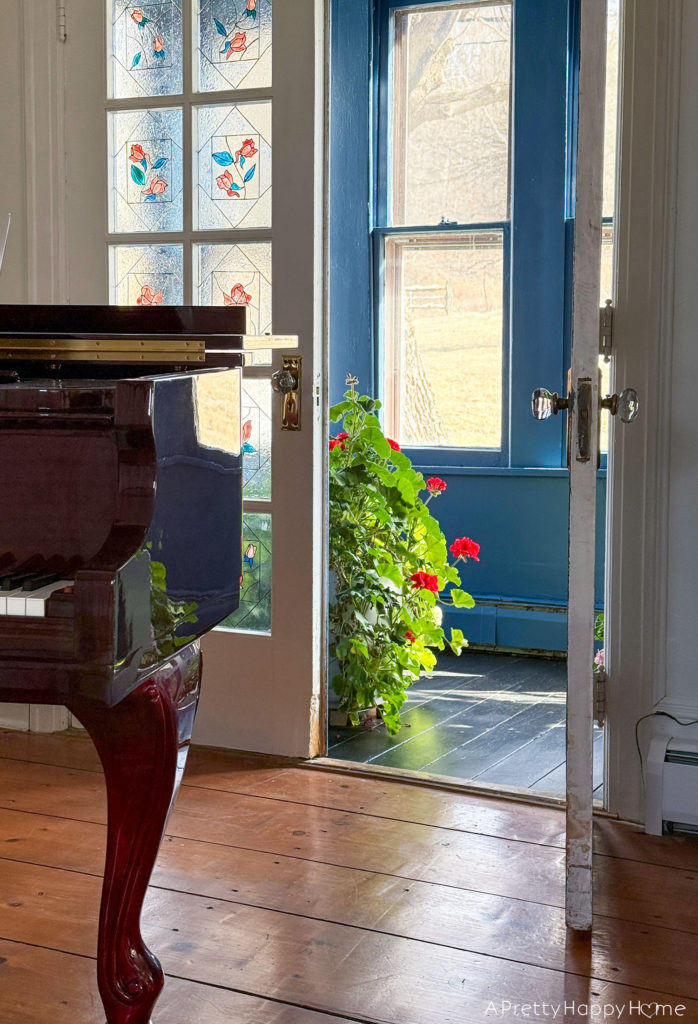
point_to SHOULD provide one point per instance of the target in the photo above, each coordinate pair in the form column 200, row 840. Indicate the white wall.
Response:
column 12, row 157
column 682, row 561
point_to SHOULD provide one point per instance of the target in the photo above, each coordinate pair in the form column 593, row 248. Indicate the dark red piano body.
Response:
column 124, row 479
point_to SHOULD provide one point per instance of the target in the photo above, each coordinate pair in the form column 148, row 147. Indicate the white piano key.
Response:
column 35, row 602
column 6, row 596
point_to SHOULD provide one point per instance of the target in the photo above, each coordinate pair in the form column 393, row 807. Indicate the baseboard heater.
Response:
column 671, row 785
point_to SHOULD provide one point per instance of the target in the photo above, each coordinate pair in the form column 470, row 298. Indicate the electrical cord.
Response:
column 655, row 714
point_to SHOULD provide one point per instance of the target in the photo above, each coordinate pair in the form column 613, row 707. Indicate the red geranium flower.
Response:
column 435, row 485
column 393, row 444
column 425, row 581
column 409, row 635
column 334, row 441
column 464, row 547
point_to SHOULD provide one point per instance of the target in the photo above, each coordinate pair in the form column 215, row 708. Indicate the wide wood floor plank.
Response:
column 45, row 986
column 243, row 772
column 373, row 975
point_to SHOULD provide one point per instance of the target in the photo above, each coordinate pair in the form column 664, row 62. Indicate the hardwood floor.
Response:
column 285, row 894
column 494, row 718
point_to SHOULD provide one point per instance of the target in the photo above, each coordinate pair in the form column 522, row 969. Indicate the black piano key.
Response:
column 37, row 582
column 16, row 580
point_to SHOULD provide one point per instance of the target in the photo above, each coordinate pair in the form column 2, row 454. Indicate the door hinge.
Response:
column 62, row 23
column 606, row 330
column 600, row 688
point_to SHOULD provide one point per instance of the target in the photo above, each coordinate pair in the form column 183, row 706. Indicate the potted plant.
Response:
column 390, row 566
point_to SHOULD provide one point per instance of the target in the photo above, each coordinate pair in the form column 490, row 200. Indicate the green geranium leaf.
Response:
column 461, row 599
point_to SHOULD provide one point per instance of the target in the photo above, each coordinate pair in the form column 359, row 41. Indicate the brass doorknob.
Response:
column 626, row 405
column 545, row 404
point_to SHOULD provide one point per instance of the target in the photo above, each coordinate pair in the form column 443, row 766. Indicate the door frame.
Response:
column 638, row 473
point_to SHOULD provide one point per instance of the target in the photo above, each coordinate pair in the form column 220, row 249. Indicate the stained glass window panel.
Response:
column 451, row 86
column 146, row 275
column 146, row 170
column 232, row 167
column 236, row 275
column 234, row 44
column 256, row 439
column 254, row 612
column 146, row 48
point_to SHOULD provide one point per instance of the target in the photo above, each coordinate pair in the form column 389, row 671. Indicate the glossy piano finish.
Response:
column 143, row 744
column 131, row 488
column 125, row 479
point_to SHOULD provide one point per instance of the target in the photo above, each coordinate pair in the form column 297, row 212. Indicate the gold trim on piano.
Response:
column 110, row 350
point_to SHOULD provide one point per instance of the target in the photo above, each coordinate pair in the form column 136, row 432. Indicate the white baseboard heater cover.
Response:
column 671, row 784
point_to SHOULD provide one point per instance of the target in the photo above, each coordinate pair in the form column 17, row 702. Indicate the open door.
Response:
column 584, row 404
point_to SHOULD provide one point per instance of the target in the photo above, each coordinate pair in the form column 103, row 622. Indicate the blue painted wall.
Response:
column 517, row 511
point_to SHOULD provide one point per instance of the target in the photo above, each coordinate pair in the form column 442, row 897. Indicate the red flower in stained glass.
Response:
column 425, row 581
column 137, row 155
column 238, row 44
column 247, row 150
column 149, row 297
column 156, row 187
column 238, row 296
column 464, row 547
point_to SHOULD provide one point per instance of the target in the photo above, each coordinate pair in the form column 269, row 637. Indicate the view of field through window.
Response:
column 444, row 297
column 444, row 311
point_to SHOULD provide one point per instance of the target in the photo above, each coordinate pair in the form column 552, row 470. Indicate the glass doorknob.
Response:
column 545, row 404
column 626, row 405
column 284, row 381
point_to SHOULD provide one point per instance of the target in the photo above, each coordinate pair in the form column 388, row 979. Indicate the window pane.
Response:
column 236, row 275
column 451, row 83
column 146, row 48
column 232, row 169
column 146, row 275
column 611, row 109
column 444, row 328
column 146, row 170
column 234, row 44
column 254, row 612
column 256, row 439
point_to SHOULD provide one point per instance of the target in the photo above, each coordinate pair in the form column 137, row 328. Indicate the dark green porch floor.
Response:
column 492, row 718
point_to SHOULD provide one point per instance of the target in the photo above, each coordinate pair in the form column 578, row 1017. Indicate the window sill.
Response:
column 431, row 469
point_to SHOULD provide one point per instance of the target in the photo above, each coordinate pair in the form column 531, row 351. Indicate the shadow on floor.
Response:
column 493, row 718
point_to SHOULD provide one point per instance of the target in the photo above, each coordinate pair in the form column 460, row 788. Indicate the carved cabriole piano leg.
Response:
column 143, row 744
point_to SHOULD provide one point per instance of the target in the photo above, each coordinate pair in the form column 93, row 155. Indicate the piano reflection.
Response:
column 120, row 546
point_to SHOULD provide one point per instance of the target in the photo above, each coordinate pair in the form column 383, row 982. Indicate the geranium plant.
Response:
column 390, row 562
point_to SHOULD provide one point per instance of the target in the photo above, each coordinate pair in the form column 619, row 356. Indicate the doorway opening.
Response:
column 467, row 257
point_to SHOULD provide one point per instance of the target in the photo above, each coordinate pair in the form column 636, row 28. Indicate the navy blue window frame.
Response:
column 536, row 338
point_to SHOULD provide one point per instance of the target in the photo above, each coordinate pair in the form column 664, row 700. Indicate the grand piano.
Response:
column 120, row 546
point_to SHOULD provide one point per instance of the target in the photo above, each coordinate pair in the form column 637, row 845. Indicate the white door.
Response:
column 189, row 137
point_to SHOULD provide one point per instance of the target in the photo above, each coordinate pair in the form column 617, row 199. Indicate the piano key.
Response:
column 35, row 606
column 40, row 581
column 4, row 597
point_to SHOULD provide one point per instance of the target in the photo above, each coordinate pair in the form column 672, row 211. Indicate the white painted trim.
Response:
column 636, row 604
column 48, row 718
column 582, row 516
column 45, row 165
column 14, row 716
